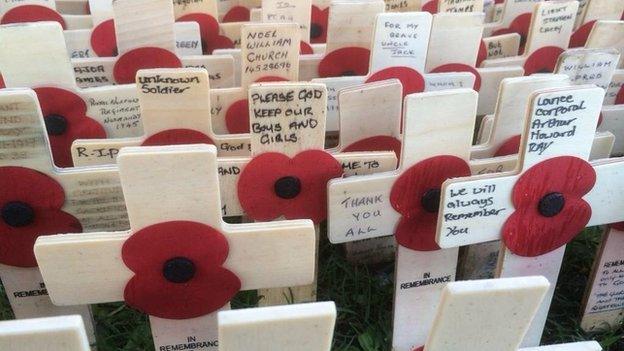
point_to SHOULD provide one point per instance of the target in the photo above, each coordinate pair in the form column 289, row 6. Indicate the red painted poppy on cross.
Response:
column 540, row 207
column 179, row 263
column 549, row 33
column 36, row 198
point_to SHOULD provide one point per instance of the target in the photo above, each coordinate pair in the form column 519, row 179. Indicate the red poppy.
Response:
column 237, row 14
column 131, row 62
column 422, row 348
column 104, row 39
column 305, row 48
column 619, row 99
column 412, row 80
column 350, row 61
column 237, row 117
column 30, row 206
column 376, row 143
column 274, row 185
column 2, row 84
column 416, row 196
column 509, row 147
column 269, row 79
column 65, row 116
column 178, row 137
column 483, row 54
column 550, row 210
column 543, row 60
column 579, row 37
column 431, row 7
column 209, row 32
column 178, row 271
column 32, row 13
column 460, row 67
column 520, row 25
column 318, row 25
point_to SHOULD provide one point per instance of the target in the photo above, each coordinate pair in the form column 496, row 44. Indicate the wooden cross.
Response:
column 512, row 17
column 436, row 123
column 299, row 12
column 94, row 42
column 289, row 169
column 491, row 315
column 592, row 11
column 66, row 333
column 549, row 34
column 198, row 262
column 40, row 10
column 305, row 327
column 70, row 113
column 144, row 37
column 559, row 131
column 175, row 109
column 441, row 6
column 39, row 199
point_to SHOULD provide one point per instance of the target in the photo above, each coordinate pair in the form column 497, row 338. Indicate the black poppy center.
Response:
column 179, row 270
column 315, row 30
column 55, row 124
column 551, row 205
column 431, row 200
column 17, row 214
column 348, row 73
column 288, row 187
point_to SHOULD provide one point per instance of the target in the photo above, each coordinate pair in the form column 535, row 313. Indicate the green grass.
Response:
column 364, row 298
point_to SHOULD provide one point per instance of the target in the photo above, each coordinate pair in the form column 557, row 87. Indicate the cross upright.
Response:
column 64, row 333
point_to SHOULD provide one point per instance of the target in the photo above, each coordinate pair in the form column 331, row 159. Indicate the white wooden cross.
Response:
column 71, row 112
column 145, row 38
column 40, row 10
column 591, row 12
column 558, row 138
column 440, row 6
column 66, row 333
column 304, row 327
column 513, row 17
column 603, row 305
column 436, row 123
column 549, row 34
column 299, row 12
column 289, row 169
column 491, row 315
column 196, row 263
column 39, row 199
column 101, row 41
column 175, row 109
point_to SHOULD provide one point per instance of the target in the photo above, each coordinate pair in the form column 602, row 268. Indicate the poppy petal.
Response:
column 543, row 60
column 618, row 226
column 408, row 191
column 509, row 147
column 209, row 32
column 459, row 67
column 412, row 81
column 216, row 43
column 568, row 175
column 104, row 39
column 350, row 61
column 208, row 288
column 318, row 25
column 619, row 99
column 72, row 108
column 17, row 243
column 580, row 36
column 527, row 233
column 178, row 137
column 376, row 143
column 31, row 187
column 431, row 7
column 237, row 117
column 418, row 233
column 237, row 14
column 521, row 25
column 483, row 54
column 312, row 168
column 269, row 79
column 132, row 61
column 305, row 48
column 32, row 13
column 208, row 292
